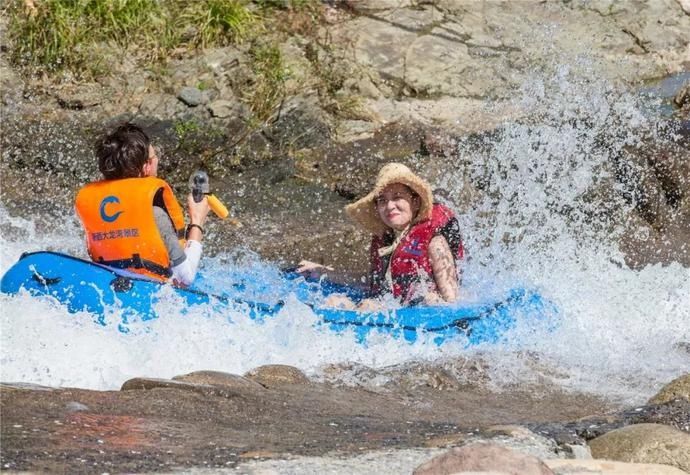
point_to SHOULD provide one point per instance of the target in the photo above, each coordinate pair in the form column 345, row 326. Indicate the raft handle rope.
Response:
column 47, row 281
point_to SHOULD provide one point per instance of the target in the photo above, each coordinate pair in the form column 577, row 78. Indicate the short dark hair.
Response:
column 123, row 152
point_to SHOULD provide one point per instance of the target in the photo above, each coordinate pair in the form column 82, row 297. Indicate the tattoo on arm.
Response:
column 443, row 265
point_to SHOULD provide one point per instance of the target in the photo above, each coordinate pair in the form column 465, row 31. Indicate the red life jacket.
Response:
column 121, row 230
column 410, row 260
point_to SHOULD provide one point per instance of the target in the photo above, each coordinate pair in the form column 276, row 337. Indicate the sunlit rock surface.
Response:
column 645, row 443
column 277, row 375
column 484, row 458
column 678, row 388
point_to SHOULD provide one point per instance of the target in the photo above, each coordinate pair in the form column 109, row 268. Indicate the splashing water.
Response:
column 548, row 218
column 551, row 215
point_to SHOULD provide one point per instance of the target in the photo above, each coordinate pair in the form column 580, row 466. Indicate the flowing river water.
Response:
column 548, row 219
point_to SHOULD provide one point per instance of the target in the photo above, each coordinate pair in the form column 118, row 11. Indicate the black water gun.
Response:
column 199, row 185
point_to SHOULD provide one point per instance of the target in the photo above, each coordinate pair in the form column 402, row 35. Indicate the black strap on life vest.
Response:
column 136, row 262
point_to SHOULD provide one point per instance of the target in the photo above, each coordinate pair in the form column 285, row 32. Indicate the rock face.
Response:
column 484, row 458
column 436, row 51
column 679, row 387
column 218, row 378
column 645, row 443
column 277, row 375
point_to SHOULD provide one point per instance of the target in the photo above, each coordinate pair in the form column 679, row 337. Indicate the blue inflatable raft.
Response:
column 86, row 286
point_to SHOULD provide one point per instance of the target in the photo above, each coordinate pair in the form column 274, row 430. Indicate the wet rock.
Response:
column 218, row 378
column 135, row 384
column 302, row 123
column 153, row 383
column 277, row 375
column 655, row 179
column 481, row 458
column 25, row 386
column 438, row 143
column 675, row 413
column 607, row 467
column 191, row 96
column 682, row 347
column 645, row 443
column 182, row 426
column 678, row 388
column 682, row 98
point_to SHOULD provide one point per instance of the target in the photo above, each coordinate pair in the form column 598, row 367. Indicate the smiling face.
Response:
column 397, row 206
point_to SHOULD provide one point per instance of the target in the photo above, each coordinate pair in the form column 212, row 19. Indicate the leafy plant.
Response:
column 217, row 22
column 269, row 89
column 184, row 128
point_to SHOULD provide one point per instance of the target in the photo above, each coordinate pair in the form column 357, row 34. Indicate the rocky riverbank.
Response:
column 221, row 421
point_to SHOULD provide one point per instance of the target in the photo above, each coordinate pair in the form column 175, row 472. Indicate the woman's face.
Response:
column 397, row 206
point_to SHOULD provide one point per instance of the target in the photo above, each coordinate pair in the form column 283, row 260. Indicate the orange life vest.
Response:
column 120, row 227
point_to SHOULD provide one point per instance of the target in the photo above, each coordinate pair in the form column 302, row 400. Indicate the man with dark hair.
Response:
column 123, row 153
column 132, row 219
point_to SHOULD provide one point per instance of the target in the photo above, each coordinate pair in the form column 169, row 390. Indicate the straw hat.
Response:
column 364, row 211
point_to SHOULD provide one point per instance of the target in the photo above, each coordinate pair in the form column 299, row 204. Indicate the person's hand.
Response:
column 369, row 305
column 197, row 211
column 434, row 298
column 312, row 270
column 197, row 215
column 340, row 301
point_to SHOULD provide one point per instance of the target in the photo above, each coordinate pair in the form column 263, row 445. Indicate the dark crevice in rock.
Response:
column 638, row 41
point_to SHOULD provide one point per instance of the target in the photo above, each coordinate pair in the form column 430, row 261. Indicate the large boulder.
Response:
column 644, row 443
column 483, row 457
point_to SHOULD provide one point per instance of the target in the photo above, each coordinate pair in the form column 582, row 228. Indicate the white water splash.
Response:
column 542, row 223
column 551, row 216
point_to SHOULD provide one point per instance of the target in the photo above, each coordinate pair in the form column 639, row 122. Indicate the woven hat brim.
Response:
column 364, row 212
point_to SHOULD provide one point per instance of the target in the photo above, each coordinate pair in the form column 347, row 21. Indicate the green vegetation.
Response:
column 269, row 89
column 217, row 22
column 83, row 40
column 78, row 35
column 185, row 128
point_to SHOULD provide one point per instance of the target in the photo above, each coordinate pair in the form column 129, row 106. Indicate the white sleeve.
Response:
column 185, row 272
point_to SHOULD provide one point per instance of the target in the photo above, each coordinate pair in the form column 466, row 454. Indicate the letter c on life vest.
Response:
column 109, row 218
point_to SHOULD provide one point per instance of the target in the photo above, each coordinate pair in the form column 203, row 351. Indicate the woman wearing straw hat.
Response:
column 415, row 242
